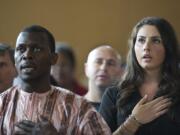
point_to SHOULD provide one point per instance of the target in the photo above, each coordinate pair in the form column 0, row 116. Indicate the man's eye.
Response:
column 36, row 49
column 98, row 61
column 21, row 49
column 111, row 63
column 2, row 65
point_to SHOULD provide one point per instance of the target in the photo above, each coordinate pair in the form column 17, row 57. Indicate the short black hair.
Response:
column 7, row 48
column 38, row 28
column 67, row 51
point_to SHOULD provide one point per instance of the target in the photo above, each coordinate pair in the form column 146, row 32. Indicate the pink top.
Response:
column 70, row 114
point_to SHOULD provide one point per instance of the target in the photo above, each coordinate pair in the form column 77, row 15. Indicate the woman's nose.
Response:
column 146, row 46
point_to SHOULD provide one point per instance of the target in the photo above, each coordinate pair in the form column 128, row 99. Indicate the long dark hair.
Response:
column 134, row 74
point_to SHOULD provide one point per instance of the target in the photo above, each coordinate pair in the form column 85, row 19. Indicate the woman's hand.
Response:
column 146, row 111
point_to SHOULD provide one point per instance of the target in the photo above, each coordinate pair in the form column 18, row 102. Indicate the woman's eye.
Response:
column 141, row 40
column 156, row 41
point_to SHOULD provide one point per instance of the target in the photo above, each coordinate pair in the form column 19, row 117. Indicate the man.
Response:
column 103, row 69
column 7, row 68
column 63, row 72
column 34, row 107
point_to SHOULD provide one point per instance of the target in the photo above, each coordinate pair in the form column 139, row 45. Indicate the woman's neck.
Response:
column 150, row 85
column 152, row 76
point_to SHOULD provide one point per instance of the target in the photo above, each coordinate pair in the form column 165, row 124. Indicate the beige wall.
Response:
column 84, row 23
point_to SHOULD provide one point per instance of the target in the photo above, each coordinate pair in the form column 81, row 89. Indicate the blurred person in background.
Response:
column 103, row 69
column 7, row 67
column 63, row 72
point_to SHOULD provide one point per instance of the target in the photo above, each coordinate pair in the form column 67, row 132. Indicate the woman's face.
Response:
column 149, row 49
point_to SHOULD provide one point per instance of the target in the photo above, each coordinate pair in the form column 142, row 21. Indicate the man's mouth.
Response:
column 102, row 76
column 27, row 68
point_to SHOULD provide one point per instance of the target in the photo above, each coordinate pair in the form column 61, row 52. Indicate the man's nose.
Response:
column 27, row 54
column 103, row 66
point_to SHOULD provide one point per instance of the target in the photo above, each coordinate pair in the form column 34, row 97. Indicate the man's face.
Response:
column 102, row 67
column 32, row 55
column 7, row 71
column 62, row 71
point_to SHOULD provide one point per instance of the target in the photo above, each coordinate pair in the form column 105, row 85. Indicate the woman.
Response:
column 147, row 100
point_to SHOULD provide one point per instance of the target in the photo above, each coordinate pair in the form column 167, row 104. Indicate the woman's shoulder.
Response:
column 112, row 91
column 110, row 95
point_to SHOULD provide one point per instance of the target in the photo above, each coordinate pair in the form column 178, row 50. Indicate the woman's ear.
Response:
column 54, row 58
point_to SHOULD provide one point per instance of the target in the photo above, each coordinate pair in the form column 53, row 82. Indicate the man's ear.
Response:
column 85, row 69
column 54, row 58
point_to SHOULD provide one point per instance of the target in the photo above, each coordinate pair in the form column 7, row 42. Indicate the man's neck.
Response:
column 94, row 93
column 34, row 86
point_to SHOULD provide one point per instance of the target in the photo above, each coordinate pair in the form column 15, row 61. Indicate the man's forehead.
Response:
column 31, row 37
column 103, row 53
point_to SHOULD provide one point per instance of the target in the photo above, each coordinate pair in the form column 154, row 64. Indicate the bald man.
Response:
column 103, row 69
